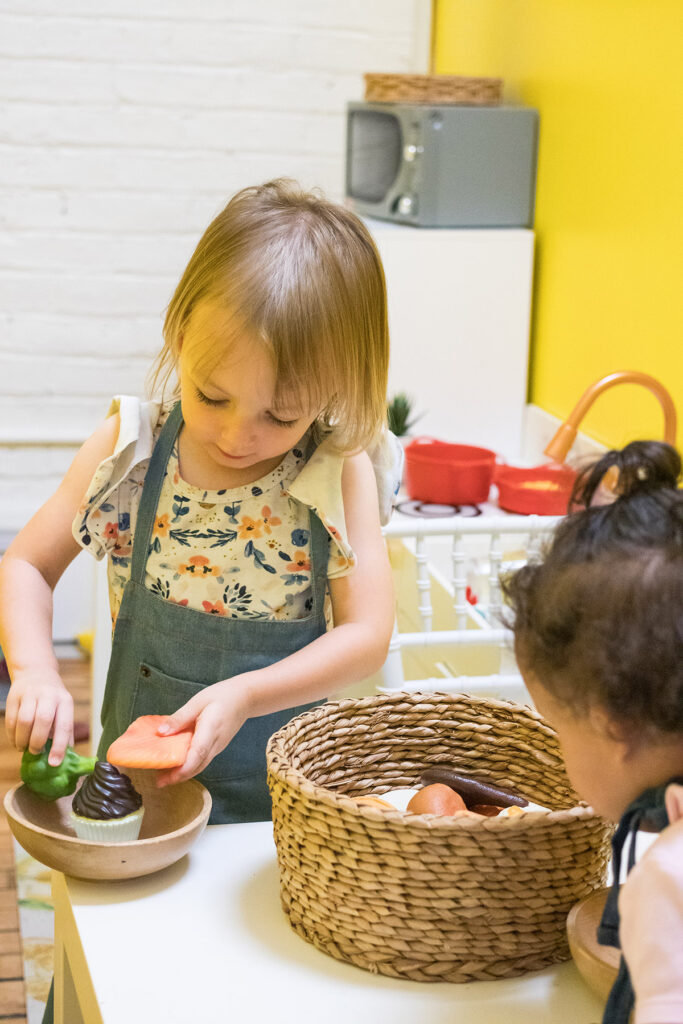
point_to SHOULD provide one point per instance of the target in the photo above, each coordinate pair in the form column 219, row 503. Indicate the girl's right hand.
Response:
column 40, row 706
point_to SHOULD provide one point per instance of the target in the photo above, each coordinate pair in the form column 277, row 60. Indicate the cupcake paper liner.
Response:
column 114, row 830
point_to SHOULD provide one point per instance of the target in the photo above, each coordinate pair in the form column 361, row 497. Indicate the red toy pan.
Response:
column 541, row 490
column 448, row 474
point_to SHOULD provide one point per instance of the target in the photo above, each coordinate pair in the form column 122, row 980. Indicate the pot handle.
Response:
column 499, row 464
column 423, row 439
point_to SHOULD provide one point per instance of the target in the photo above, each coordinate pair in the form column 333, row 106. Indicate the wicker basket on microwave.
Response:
column 436, row 89
column 426, row 897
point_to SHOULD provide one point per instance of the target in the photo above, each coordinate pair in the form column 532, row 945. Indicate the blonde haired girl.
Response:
column 234, row 512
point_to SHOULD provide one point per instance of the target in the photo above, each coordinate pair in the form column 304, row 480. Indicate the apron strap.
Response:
column 621, row 999
column 151, row 491
column 320, row 553
column 320, row 542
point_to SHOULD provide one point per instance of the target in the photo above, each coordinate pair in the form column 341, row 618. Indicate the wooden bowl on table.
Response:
column 174, row 817
column 597, row 964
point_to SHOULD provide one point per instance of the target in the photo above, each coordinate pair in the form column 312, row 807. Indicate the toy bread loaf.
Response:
column 473, row 791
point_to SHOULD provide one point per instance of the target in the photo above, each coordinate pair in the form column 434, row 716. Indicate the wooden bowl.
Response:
column 598, row 965
column 174, row 817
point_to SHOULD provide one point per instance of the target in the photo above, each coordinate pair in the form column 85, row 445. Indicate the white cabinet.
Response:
column 459, row 312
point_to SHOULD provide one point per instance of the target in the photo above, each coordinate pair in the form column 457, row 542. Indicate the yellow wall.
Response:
column 606, row 78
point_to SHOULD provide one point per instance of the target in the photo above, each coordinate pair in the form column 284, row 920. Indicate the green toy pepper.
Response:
column 50, row 782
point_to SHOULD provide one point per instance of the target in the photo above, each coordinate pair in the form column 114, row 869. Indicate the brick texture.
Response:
column 124, row 128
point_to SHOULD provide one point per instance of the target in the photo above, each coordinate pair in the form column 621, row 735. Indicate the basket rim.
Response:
column 287, row 774
column 449, row 79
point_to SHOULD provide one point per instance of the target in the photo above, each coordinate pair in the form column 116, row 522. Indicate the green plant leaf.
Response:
column 400, row 414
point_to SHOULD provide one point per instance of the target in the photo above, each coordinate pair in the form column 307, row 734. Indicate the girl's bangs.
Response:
column 207, row 340
column 302, row 381
column 301, row 374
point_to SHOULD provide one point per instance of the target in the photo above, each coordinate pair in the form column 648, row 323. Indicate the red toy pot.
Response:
column 541, row 490
column 448, row 474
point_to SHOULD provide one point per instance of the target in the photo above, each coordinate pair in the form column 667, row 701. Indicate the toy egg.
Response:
column 436, row 799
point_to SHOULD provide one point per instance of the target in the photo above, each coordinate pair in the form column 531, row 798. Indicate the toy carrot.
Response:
column 140, row 746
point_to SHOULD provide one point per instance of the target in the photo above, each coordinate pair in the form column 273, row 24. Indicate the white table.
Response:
column 206, row 941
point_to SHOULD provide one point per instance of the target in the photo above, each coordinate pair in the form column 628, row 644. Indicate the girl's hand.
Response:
column 40, row 706
column 363, row 612
column 216, row 714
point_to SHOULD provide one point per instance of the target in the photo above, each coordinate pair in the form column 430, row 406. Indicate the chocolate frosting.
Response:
column 106, row 794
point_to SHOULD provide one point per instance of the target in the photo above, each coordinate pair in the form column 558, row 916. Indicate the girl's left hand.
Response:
column 215, row 714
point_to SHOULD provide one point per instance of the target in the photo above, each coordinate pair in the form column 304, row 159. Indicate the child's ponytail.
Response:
column 599, row 619
column 641, row 467
column 637, row 508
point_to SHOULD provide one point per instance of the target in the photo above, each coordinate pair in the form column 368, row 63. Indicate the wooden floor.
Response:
column 76, row 676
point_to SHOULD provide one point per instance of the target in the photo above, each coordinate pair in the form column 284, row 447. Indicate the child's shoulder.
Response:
column 322, row 473
column 651, row 925
column 663, row 859
column 657, row 875
column 120, row 450
column 139, row 422
column 127, row 436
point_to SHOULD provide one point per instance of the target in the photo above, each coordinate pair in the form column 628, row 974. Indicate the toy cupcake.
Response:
column 107, row 808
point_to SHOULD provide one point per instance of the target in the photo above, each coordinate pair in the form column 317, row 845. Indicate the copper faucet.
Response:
column 558, row 448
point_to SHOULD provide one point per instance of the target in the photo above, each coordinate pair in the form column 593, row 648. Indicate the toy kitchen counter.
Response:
column 206, row 940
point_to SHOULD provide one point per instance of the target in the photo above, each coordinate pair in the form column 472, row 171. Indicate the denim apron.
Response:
column 164, row 653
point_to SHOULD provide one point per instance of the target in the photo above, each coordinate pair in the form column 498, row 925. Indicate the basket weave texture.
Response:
column 427, row 897
column 436, row 89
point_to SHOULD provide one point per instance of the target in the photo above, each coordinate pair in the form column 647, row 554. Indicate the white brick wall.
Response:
column 124, row 128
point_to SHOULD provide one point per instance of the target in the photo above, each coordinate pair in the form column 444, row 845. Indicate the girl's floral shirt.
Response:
column 242, row 553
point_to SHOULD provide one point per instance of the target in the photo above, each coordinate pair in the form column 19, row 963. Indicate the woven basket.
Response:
column 437, row 89
column 427, row 897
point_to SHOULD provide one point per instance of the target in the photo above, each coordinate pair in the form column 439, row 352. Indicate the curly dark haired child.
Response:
column 598, row 627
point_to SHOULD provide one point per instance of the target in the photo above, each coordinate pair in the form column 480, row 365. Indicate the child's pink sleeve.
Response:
column 651, row 928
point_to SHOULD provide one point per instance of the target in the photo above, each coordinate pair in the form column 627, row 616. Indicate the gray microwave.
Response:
column 442, row 166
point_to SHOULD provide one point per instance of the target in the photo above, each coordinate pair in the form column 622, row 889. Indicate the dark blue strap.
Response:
column 608, row 929
column 621, row 998
column 151, row 491
column 320, row 553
